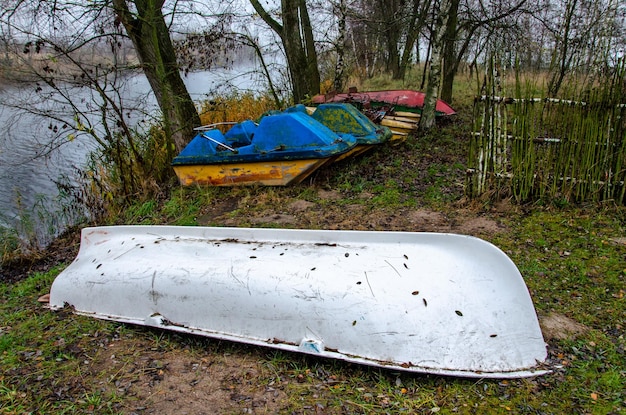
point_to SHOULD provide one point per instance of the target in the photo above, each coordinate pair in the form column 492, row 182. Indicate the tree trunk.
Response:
column 427, row 120
column 390, row 30
column 392, row 38
column 341, row 13
column 417, row 20
column 562, row 50
column 296, row 35
column 450, row 61
column 311, row 81
column 150, row 36
column 453, row 52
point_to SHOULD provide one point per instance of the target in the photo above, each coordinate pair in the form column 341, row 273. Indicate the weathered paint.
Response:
column 399, row 126
column 346, row 119
column 407, row 120
column 282, row 149
column 419, row 302
column 275, row 173
column 356, row 151
column 398, row 137
column 412, row 116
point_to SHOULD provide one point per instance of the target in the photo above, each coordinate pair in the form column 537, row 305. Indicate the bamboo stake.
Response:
column 574, row 149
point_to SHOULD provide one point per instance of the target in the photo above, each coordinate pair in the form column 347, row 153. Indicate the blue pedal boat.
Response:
column 281, row 149
column 347, row 119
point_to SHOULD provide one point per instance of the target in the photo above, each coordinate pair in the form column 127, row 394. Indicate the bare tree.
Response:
column 296, row 35
column 148, row 24
column 75, row 58
column 564, row 37
column 416, row 23
column 466, row 18
column 145, row 25
column 388, row 32
column 364, row 38
column 80, row 93
column 585, row 34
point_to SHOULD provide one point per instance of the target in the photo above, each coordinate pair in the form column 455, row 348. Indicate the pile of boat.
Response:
column 398, row 109
column 404, row 102
column 282, row 148
column 286, row 147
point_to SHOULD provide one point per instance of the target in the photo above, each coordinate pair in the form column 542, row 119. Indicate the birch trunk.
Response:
column 427, row 120
column 341, row 49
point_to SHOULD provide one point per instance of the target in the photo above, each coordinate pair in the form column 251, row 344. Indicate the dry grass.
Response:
column 235, row 108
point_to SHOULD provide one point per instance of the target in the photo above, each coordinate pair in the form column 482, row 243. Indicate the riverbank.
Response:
column 32, row 65
column 61, row 251
column 35, row 61
column 42, row 158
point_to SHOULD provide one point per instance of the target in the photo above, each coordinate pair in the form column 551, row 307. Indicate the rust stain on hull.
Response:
column 277, row 173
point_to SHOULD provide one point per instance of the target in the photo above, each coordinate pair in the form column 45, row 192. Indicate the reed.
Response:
column 235, row 108
column 523, row 154
column 9, row 244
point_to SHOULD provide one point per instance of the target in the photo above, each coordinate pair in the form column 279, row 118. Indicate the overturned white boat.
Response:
column 420, row 302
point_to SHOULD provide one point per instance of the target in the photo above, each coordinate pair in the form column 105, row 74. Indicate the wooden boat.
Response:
column 345, row 119
column 282, row 149
column 404, row 100
column 400, row 127
column 418, row 302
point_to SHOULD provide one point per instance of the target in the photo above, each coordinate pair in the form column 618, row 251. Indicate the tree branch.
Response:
column 276, row 27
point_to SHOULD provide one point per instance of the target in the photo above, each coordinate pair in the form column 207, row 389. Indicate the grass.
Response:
column 41, row 371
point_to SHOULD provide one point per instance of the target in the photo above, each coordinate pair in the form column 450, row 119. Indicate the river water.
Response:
column 30, row 200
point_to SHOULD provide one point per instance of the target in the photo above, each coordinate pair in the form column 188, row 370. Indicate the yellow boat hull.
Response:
column 400, row 127
column 398, row 137
column 356, row 151
column 412, row 116
column 268, row 173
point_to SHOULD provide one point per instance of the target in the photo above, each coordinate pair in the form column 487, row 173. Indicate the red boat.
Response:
column 400, row 100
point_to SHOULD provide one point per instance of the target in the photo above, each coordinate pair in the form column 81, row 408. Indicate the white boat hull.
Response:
column 421, row 302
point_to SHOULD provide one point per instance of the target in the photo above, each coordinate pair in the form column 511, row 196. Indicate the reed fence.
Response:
column 551, row 149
